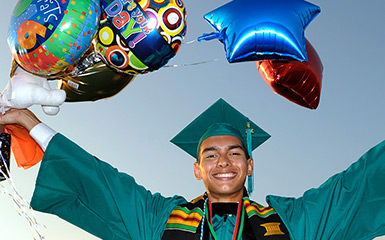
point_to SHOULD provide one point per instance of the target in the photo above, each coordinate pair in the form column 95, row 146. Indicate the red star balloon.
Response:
column 300, row 82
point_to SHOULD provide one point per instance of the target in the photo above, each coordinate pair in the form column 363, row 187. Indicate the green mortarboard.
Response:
column 220, row 119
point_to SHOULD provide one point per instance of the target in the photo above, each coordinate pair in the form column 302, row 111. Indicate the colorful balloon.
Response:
column 300, row 82
column 95, row 57
column 46, row 37
column 262, row 29
column 140, row 36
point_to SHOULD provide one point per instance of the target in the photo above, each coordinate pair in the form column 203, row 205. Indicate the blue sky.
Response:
column 132, row 130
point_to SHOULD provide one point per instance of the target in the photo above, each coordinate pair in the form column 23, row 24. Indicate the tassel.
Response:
column 250, row 179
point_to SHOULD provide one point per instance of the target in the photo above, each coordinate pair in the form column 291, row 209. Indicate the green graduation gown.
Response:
column 96, row 197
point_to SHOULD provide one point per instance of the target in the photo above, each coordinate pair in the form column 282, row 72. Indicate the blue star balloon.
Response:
column 262, row 29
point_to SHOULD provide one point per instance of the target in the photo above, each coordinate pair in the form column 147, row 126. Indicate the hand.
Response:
column 22, row 117
column 25, row 89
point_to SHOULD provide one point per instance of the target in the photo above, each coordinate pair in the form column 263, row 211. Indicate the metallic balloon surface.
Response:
column 299, row 82
column 140, row 36
column 262, row 29
column 93, row 80
column 46, row 37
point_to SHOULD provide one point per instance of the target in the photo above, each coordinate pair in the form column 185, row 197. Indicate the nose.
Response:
column 223, row 161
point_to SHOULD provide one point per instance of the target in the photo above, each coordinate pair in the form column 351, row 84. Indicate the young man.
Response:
column 94, row 196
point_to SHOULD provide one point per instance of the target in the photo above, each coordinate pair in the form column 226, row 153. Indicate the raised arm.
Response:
column 90, row 193
column 350, row 205
column 96, row 197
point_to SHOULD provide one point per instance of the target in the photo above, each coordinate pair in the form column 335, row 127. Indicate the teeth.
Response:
column 224, row 175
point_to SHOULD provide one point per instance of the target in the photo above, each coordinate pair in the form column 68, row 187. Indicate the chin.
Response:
column 226, row 190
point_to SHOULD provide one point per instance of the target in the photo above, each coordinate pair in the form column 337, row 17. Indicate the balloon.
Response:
column 89, row 80
column 262, row 29
column 5, row 140
column 93, row 58
column 300, row 82
column 46, row 37
column 140, row 36
column 92, row 80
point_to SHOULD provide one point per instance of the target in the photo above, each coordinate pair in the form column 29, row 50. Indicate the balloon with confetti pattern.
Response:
column 48, row 36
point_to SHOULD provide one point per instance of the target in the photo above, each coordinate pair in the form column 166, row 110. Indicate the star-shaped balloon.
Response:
column 300, row 82
column 262, row 29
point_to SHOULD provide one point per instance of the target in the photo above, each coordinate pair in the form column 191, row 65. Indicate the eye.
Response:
column 235, row 154
column 211, row 156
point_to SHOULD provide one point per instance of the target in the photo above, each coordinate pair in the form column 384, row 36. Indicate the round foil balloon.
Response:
column 45, row 37
column 91, row 79
column 300, row 82
column 140, row 36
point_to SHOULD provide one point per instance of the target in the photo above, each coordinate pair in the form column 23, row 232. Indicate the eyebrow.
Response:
column 214, row 148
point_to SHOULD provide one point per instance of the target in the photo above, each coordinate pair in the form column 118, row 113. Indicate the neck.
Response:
column 234, row 198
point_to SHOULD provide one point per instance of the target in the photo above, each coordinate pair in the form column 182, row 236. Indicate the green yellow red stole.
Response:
column 185, row 222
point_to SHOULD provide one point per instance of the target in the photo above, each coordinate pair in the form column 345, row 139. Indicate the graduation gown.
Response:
column 96, row 197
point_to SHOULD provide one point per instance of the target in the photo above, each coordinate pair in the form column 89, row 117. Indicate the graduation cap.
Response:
column 221, row 119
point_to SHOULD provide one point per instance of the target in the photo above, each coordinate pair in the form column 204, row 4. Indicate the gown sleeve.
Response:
column 349, row 205
column 94, row 196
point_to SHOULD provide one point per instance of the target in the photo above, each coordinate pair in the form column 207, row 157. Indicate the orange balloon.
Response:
column 300, row 82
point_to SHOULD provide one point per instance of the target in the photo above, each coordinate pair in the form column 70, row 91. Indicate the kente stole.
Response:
column 261, row 222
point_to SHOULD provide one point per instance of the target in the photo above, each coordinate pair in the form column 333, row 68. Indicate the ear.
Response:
column 197, row 171
column 250, row 167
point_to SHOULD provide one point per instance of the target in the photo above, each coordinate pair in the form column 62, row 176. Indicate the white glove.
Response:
column 25, row 89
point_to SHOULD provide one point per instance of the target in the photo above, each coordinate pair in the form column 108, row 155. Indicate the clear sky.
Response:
column 132, row 130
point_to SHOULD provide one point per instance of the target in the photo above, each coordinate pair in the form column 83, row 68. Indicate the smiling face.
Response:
column 223, row 167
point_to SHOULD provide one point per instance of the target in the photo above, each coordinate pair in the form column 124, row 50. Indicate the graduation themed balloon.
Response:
column 140, row 36
column 300, row 82
column 262, row 29
column 45, row 37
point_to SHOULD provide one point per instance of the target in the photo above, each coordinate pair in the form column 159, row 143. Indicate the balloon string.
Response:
column 21, row 205
column 189, row 42
column 191, row 64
